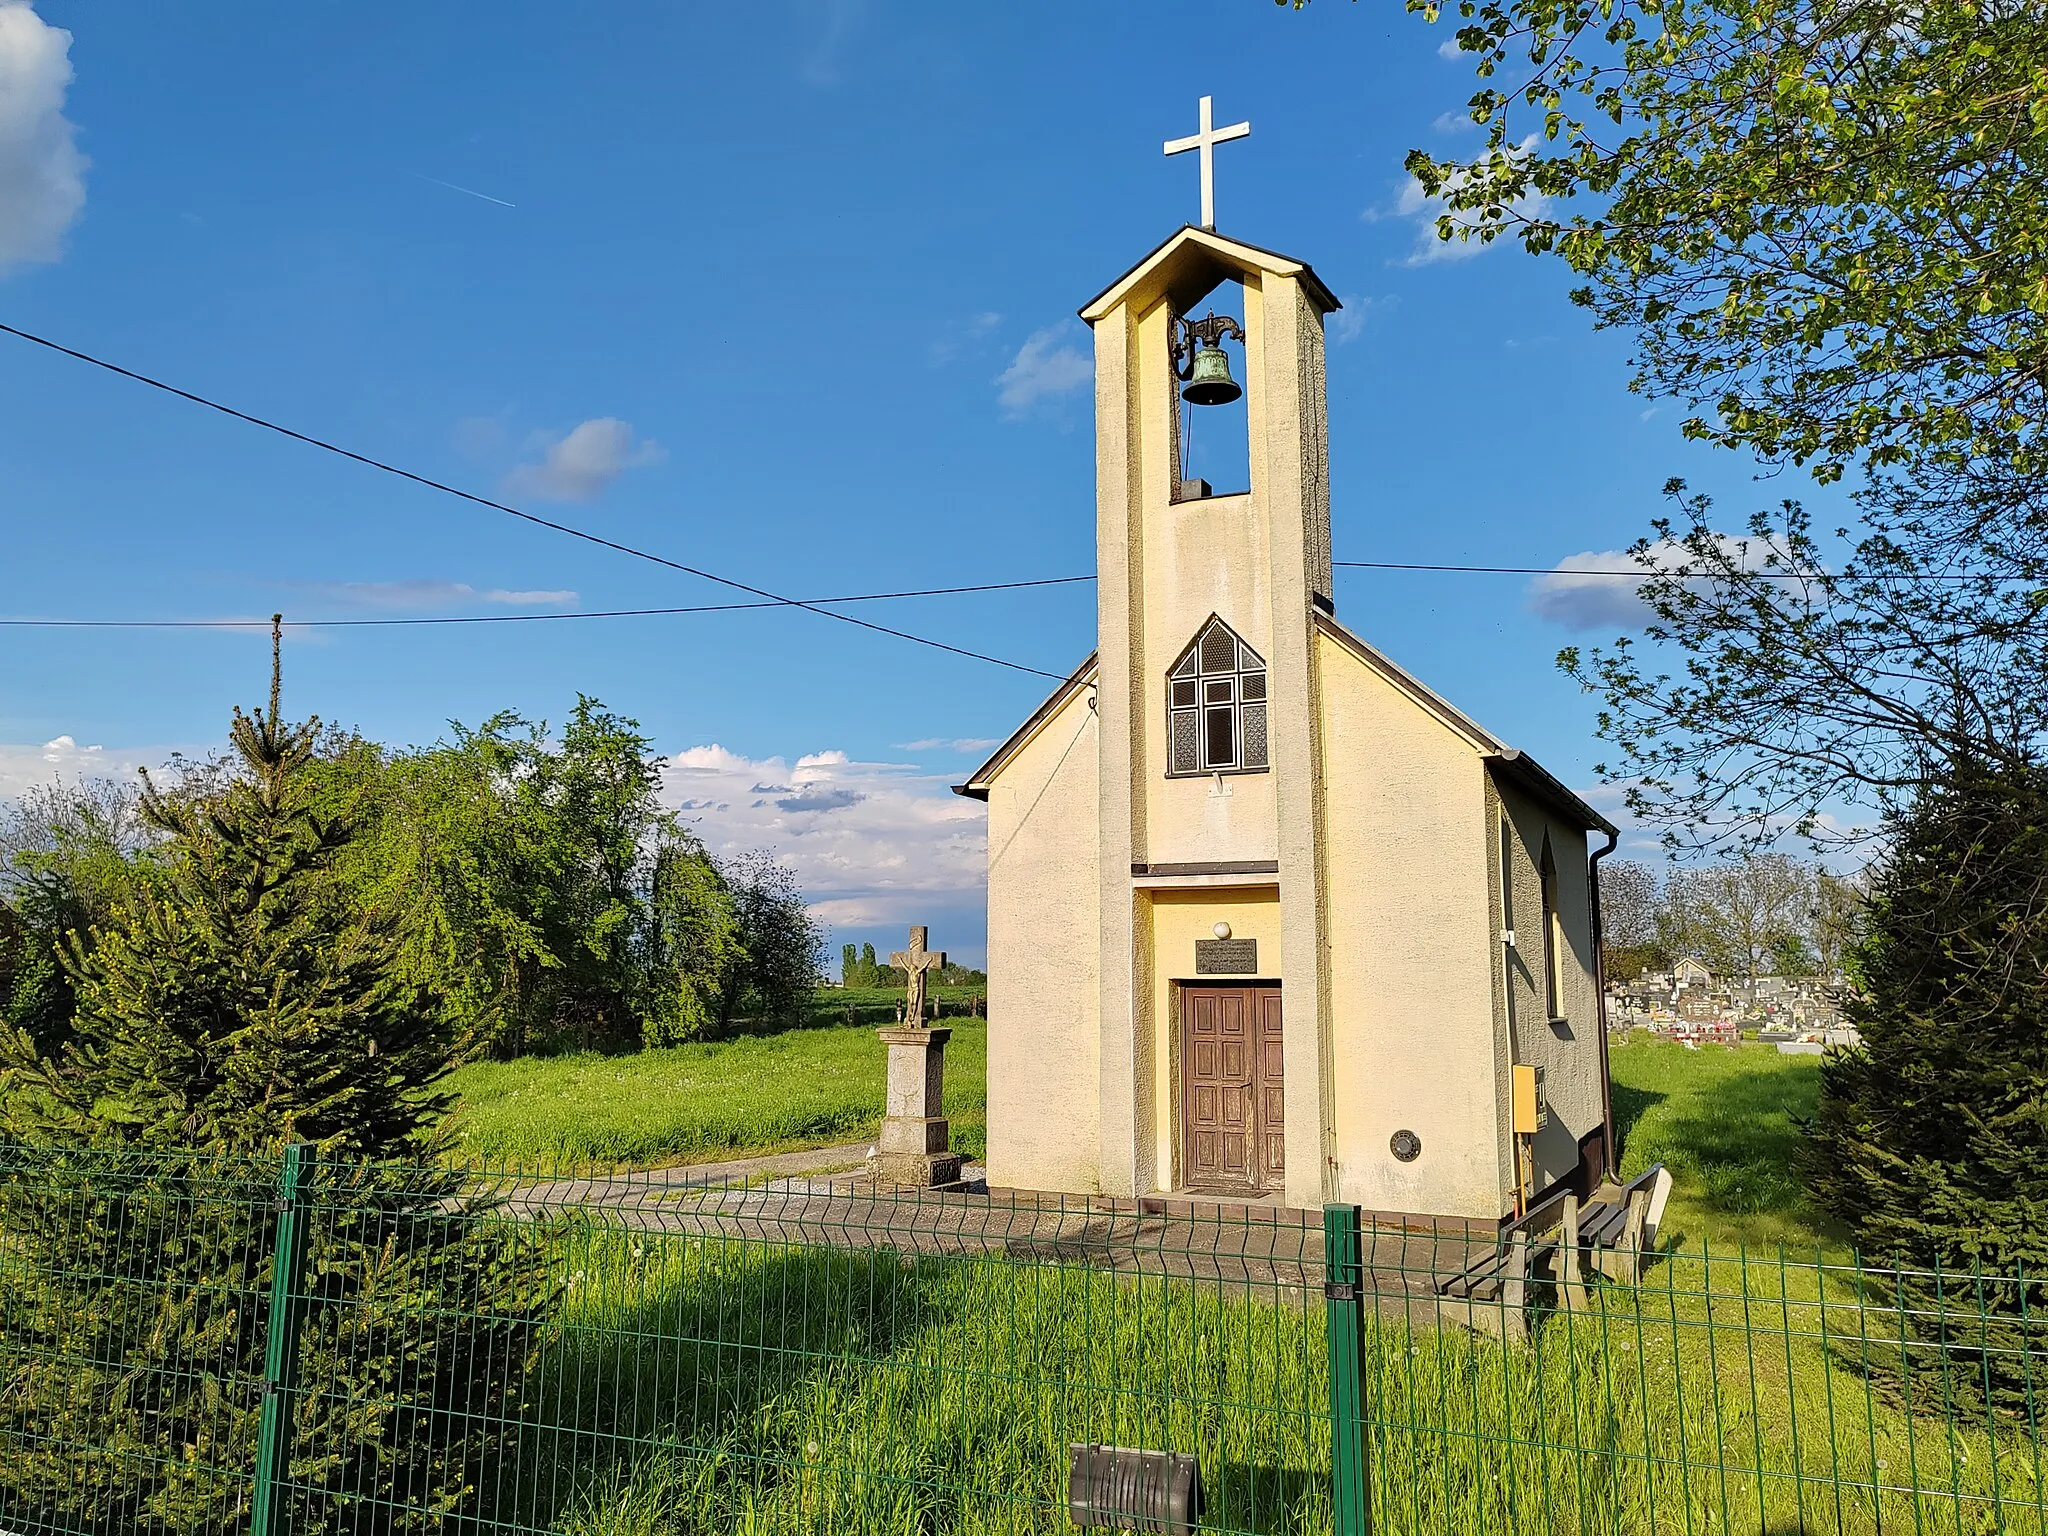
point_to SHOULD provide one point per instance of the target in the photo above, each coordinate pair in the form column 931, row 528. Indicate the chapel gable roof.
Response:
column 978, row 782
column 1191, row 261
column 1516, row 767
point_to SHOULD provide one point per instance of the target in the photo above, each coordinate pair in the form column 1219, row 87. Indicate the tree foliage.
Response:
column 1825, row 229
column 69, row 853
column 540, row 894
column 1766, row 914
column 240, row 1002
column 1771, row 693
column 1929, row 1143
column 1825, row 225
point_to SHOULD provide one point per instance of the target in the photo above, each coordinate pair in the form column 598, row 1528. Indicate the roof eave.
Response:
column 1220, row 247
column 979, row 781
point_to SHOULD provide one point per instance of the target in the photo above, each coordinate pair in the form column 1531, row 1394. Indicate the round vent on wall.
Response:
column 1406, row 1145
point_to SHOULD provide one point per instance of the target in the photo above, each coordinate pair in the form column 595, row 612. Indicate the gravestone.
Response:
column 913, row 1150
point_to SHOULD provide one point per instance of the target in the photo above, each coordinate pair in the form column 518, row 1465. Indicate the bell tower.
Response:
column 1209, row 775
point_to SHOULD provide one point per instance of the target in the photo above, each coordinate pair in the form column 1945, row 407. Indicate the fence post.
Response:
column 1344, row 1306
column 281, row 1343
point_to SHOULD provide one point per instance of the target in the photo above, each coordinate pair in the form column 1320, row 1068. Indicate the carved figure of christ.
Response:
column 914, row 962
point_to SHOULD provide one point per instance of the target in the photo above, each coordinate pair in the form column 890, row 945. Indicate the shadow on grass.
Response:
column 1734, row 1146
column 1630, row 1104
column 679, row 1372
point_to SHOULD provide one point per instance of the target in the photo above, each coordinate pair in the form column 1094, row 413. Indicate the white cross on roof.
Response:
column 1206, row 140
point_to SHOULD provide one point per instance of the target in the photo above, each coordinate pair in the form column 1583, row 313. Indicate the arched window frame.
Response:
column 1553, row 935
column 1216, row 706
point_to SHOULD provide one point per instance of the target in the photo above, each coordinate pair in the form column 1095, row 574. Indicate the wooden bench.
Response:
column 1559, row 1242
column 1617, row 1228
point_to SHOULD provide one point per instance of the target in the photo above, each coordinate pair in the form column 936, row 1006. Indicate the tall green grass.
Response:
column 692, row 1103
column 708, row 1385
column 1727, row 1121
column 704, row 1384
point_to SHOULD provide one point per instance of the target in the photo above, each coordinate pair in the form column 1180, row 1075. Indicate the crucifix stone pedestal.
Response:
column 912, row 1149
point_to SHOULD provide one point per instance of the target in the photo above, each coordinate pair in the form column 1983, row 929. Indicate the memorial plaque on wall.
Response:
column 1226, row 957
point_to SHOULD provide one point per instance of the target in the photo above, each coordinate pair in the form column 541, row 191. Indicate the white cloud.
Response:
column 1416, row 204
column 577, row 467
column 410, row 595
column 42, row 173
column 1453, row 122
column 1349, row 322
column 1577, row 595
column 25, row 765
column 1449, row 49
column 1048, row 364
column 973, row 335
column 831, row 26
column 872, row 843
column 950, row 744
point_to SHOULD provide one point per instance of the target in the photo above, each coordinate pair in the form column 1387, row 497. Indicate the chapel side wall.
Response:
column 1044, row 1090
column 1566, row 1048
column 1411, row 995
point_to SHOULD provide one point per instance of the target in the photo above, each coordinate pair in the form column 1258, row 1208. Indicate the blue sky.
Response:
column 785, row 291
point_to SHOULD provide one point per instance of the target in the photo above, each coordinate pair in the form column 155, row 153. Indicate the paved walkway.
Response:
column 792, row 1199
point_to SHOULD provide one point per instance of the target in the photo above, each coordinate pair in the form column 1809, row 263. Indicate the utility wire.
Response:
column 1647, row 573
column 767, row 598
column 521, row 618
column 775, row 599
column 857, row 597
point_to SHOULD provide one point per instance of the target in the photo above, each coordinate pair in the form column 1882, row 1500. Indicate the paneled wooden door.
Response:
column 1233, row 1107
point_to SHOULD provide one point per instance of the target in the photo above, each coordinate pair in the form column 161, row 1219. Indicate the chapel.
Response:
column 1268, row 919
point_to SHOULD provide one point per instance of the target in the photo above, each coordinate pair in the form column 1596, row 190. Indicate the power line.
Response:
column 525, row 618
column 768, row 599
column 860, row 597
column 775, row 599
column 1648, row 573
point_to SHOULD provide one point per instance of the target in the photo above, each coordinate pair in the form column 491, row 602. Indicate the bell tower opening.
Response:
column 1212, row 429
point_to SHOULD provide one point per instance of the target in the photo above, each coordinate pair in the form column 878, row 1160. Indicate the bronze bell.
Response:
column 1209, row 381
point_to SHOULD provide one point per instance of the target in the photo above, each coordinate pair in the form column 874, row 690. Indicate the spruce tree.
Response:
column 237, row 1005
column 1930, row 1143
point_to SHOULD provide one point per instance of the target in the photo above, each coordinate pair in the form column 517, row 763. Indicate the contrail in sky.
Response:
column 471, row 192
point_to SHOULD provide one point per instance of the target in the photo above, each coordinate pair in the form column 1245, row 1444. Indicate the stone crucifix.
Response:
column 914, row 962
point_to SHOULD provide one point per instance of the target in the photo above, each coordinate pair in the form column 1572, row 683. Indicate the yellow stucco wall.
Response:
column 1568, row 1047
column 1206, row 557
column 1043, row 976
column 1380, row 813
column 1173, row 920
column 1412, row 1010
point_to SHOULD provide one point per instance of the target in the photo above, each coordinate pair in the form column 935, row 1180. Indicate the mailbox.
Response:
column 1116, row 1489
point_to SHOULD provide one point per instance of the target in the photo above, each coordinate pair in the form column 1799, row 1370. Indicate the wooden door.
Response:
column 1233, row 1113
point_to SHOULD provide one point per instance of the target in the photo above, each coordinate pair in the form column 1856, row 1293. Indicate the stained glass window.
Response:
column 1216, row 705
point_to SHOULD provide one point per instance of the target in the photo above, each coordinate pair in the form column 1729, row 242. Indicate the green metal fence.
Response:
column 287, row 1345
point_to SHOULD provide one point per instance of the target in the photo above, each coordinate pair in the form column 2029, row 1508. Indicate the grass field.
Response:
column 1726, row 1121
column 699, row 1384
column 698, row 1103
column 704, row 1384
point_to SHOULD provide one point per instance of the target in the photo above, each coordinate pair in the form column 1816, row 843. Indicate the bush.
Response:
column 1930, row 1142
column 236, row 1005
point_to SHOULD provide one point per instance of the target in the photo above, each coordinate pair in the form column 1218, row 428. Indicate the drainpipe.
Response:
column 1600, row 1000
